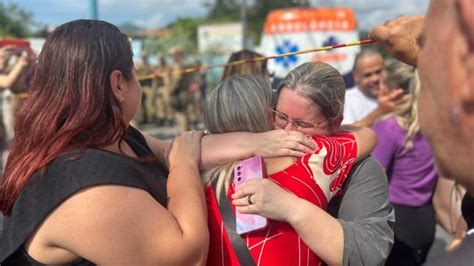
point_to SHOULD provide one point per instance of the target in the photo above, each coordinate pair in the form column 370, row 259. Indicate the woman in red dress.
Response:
column 294, row 187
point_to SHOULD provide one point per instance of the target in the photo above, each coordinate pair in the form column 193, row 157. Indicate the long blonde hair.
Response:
column 239, row 103
column 405, row 77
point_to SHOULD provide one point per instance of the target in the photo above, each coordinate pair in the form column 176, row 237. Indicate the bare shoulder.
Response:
column 99, row 218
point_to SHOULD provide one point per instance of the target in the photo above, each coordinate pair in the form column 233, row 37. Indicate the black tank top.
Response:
column 66, row 175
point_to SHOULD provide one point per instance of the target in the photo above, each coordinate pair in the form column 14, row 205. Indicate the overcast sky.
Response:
column 158, row 13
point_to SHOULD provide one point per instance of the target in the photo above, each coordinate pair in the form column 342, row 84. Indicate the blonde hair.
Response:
column 239, row 103
column 405, row 77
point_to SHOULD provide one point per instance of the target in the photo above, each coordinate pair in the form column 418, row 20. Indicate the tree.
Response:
column 183, row 36
column 130, row 29
column 184, row 30
column 224, row 10
column 258, row 13
column 229, row 10
column 14, row 21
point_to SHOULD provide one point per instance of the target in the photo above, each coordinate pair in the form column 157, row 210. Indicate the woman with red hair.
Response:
column 82, row 186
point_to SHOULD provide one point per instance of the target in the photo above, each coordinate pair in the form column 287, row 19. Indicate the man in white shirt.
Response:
column 366, row 102
column 442, row 46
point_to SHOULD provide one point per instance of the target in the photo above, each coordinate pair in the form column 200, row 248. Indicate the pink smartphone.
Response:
column 245, row 170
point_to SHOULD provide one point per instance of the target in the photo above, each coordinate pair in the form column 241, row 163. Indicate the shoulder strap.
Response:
column 138, row 143
column 228, row 218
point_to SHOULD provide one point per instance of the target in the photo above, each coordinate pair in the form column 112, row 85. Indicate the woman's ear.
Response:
column 117, row 85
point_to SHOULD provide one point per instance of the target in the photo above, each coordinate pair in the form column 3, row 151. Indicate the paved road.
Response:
column 442, row 239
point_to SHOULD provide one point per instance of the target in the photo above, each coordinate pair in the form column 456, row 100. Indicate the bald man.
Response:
column 444, row 53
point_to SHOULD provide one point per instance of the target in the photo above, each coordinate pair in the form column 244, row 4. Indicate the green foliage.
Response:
column 14, row 22
column 131, row 29
column 184, row 30
column 224, row 10
column 183, row 36
column 257, row 14
column 229, row 11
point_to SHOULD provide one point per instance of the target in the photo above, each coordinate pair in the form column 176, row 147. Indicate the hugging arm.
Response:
column 320, row 231
column 129, row 224
column 361, row 234
column 366, row 140
column 223, row 148
column 7, row 80
column 219, row 149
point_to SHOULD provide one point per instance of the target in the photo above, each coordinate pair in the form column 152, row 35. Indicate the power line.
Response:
column 248, row 61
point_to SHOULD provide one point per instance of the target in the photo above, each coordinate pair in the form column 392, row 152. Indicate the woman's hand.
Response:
column 186, row 150
column 228, row 147
column 264, row 197
column 279, row 142
column 320, row 231
column 24, row 59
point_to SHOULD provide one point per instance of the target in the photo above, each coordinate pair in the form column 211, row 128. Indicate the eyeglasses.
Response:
column 281, row 120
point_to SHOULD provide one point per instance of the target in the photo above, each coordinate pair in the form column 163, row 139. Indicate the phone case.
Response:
column 244, row 171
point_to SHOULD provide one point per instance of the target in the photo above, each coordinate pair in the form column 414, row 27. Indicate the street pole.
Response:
column 243, row 16
column 93, row 14
column 3, row 30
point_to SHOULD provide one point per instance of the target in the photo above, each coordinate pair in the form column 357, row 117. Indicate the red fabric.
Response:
column 283, row 246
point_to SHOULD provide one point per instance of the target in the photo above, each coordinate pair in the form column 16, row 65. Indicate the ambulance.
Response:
column 298, row 29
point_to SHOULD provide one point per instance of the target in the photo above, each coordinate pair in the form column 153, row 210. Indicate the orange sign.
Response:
column 310, row 19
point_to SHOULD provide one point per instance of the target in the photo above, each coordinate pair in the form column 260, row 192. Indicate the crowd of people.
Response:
column 171, row 97
column 16, row 68
column 82, row 186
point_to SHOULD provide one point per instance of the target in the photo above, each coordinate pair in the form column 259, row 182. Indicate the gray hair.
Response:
column 239, row 103
column 321, row 83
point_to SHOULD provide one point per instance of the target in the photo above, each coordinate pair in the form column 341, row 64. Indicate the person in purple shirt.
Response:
column 409, row 162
